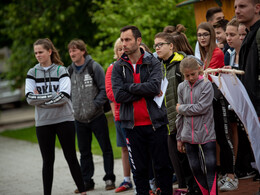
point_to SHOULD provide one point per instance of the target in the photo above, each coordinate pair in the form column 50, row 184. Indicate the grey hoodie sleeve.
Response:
column 200, row 108
column 99, row 79
column 38, row 99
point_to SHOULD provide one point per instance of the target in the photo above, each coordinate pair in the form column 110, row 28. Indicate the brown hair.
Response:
column 233, row 22
column 211, row 12
column 48, row 45
column 212, row 44
column 221, row 24
column 78, row 44
column 145, row 47
column 169, row 29
column 178, row 39
column 136, row 32
column 189, row 63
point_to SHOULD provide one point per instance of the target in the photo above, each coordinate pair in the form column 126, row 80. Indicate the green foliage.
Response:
column 29, row 134
column 149, row 16
column 94, row 21
column 26, row 21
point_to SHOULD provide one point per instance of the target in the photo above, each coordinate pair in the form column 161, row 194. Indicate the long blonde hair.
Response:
column 206, row 56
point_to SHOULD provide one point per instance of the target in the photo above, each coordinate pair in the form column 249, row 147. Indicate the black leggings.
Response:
column 46, row 137
column 200, row 160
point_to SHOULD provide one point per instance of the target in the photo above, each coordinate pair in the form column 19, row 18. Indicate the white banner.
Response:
column 235, row 93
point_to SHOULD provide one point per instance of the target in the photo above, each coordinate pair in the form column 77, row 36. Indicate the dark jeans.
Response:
column 84, row 133
column 180, row 164
column 143, row 142
column 46, row 137
column 206, row 180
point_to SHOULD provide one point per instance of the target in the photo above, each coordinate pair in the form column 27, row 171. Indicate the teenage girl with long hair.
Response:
column 47, row 87
column 213, row 58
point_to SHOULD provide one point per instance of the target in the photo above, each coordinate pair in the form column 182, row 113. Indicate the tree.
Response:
column 149, row 16
column 26, row 21
column 94, row 21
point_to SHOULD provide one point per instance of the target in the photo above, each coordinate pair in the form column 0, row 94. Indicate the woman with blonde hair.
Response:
column 120, row 132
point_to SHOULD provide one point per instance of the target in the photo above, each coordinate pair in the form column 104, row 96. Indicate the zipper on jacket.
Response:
column 146, row 101
column 206, row 129
column 133, row 82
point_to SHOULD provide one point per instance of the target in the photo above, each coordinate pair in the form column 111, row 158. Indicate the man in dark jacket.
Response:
column 247, row 13
column 136, row 80
column 88, row 96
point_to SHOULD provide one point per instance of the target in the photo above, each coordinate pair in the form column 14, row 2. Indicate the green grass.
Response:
column 29, row 134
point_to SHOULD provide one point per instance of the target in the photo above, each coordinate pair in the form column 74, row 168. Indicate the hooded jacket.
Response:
column 52, row 104
column 171, row 92
column 126, row 91
column 195, row 122
column 88, row 94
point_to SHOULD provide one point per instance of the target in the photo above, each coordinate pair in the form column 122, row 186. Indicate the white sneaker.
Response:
column 222, row 180
column 152, row 184
column 229, row 185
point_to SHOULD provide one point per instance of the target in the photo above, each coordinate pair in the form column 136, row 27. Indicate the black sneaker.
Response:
column 89, row 185
column 246, row 175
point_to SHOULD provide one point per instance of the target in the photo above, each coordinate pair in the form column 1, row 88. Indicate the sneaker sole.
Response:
column 247, row 177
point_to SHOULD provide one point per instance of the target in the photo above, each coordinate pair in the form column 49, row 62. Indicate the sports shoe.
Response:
column 152, row 184
column 110, row 185
column 246, row 175
column 124, row 186
column 222, row 180
column 89, row 185
column 229, row 185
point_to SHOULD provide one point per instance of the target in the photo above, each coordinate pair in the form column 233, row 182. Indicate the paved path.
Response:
column 20, row 171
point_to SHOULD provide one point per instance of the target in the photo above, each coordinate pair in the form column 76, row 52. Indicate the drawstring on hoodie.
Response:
column 50, row 80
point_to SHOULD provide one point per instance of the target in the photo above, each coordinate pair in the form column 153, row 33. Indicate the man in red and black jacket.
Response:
column 136, row 80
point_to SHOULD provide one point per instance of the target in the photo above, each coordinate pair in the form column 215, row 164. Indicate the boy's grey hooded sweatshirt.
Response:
column 195, row 122
column 52, row 104
column 88, row 92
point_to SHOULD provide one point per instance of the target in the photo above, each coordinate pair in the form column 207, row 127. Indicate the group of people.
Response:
column 193, row 133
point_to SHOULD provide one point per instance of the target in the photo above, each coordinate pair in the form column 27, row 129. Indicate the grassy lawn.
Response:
column 29, row 134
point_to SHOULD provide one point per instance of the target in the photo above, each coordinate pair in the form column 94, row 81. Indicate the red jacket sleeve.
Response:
column 108, row 83
column 217, row 60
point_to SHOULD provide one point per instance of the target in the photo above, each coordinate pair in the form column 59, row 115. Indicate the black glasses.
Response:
column 159, row 45
column 204, row 35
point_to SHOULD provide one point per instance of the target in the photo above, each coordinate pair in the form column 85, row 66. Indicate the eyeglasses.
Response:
column 204, row 35
column 159, row 45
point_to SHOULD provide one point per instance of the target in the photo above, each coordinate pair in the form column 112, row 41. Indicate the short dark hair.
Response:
column 211, row 12
column 221, row 24
column 136, row 32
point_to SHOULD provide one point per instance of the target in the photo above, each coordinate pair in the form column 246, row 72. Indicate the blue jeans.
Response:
column 120, row 135
column 84, row 133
